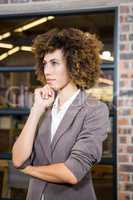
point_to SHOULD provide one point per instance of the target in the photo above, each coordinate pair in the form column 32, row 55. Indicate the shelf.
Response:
column 5, row 156
column 14, row 111
column 23, row 111
column 104, row 161
column 7, row 199
column 17, row 69
column 107, row 66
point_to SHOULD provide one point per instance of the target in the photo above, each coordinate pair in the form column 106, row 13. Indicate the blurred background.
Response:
column 18, row 81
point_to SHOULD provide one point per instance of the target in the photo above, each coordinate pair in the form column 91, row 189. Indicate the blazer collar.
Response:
column 45, row 129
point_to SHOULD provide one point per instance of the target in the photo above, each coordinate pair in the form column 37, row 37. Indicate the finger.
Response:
column 51, row 91
column 48, row 91
column 45, row 93
column 42, row 94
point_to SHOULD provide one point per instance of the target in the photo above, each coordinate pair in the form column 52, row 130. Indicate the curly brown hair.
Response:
column 80, row 49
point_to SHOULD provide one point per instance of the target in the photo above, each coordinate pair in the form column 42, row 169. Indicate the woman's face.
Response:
column 55, row 70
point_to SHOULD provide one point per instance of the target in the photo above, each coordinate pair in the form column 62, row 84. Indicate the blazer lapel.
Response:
column 45, row 128
column 68, row 118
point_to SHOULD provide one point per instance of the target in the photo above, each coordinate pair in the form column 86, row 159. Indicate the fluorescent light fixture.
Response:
column 50, row 17
column 26, row 48
column 5, row 35
column 106, row 81
column 6, row 46
column 34, row 23
column 10, row 52
column 106, row 55
column 3, row 56
column 104, row 93
column 14, row 50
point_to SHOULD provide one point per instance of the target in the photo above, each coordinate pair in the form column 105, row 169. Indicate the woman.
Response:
column 63, row 135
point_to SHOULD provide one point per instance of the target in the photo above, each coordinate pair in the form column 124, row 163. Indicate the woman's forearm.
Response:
column 55, row 173
column 22, row 148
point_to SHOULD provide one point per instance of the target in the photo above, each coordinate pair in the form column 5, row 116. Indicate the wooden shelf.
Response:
column 17, row 69
column 14, row 111
column 104, row 66
column 107, row 161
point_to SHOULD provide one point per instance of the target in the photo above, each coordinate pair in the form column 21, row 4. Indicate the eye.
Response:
column 54, row 63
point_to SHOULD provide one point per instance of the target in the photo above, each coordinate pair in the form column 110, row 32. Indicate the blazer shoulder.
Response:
column 94, row 104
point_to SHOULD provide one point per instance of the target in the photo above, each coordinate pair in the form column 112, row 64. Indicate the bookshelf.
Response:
column 18, row 112
column 21, row 109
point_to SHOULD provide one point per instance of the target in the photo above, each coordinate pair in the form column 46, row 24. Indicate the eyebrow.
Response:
column 54, row 59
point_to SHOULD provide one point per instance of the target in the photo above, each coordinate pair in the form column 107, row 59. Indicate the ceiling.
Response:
column 101, row 23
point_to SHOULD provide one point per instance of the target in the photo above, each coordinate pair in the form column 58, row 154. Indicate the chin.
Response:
column 54, row 88
column 58, row 88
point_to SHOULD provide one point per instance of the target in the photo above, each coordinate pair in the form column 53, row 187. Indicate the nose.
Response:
column 47, row 69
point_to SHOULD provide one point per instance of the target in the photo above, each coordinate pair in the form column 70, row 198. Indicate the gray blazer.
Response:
column 77, row 143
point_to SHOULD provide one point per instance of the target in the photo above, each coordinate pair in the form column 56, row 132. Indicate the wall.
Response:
column 125, row 104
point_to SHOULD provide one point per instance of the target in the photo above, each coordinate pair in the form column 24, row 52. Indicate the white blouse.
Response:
column 57, row 115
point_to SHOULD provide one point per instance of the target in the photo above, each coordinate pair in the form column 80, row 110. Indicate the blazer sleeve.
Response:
column 87, row 149
column 30, row 160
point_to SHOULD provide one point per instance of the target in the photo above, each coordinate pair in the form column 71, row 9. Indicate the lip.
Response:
column 49, row 80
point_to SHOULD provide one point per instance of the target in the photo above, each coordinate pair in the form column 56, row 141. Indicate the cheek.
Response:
column 63, row 76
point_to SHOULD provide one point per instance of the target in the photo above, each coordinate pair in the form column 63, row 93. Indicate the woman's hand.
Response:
column 43, row 98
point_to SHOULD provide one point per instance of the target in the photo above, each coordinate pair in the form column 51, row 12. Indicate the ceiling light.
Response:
column 14, row 50
column 50, row 17
column 6, row 46
column 106, row 55
column 26, row 48
column 106, row 81
column 10, row 52
column 3, row 56
column 5, row 35
column 33, row 24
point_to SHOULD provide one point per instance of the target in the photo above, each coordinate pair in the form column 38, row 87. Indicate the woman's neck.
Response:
column 66, row 93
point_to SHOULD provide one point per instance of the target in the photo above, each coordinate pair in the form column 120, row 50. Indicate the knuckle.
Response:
column 37, row 90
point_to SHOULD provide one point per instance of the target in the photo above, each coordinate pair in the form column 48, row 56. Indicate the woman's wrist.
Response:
column 37, row 110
